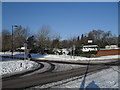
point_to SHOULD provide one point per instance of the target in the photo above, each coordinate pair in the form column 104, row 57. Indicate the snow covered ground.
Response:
column 76, row 58
column 15, row 66
column 104, row 79
column 61, row 57
column 107, row 78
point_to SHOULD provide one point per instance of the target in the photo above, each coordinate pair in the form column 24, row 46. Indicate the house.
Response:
column 111, row 47
column 60, row 51
column 87, row 48
column 65, row 51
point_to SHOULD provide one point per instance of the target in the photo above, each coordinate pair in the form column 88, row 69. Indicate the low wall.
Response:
column 108, row 52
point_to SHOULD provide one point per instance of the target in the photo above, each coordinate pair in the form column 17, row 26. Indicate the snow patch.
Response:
column 107, row 78
column 15, row 66
column 76, row 58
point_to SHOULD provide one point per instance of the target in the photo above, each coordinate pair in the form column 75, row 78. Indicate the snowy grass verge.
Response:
column 77, row 58
column 9, row 68
column 62, row 57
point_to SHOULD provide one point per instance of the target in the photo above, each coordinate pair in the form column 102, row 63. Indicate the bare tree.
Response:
column 6, row 40
column 56, row 41
column 19, row 35
column 102, row 38
column 43, row 38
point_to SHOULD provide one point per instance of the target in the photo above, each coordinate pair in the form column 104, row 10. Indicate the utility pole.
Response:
column 12, row 41
column 13, row 38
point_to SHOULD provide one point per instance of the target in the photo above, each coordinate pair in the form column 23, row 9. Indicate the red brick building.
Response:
column 106, row 52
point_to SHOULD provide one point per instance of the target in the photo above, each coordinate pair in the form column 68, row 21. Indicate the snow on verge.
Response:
column 75, row 58
column 107, row 78
column 16, row 66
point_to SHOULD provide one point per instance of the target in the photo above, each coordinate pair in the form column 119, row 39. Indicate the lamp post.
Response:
column 13, row 38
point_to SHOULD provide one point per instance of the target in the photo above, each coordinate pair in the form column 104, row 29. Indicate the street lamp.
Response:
column 12, row 37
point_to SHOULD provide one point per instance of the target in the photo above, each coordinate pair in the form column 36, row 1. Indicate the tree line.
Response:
column 45, row 41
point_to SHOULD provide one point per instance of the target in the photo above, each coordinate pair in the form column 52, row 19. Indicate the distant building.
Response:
column 61, row 51
column 65, row 51
column 87, row 48
column 56, row 51
column 111, row 47
column 22, row 48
